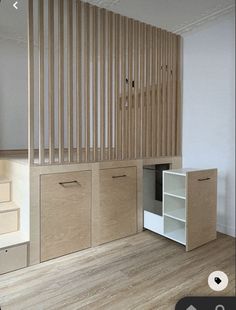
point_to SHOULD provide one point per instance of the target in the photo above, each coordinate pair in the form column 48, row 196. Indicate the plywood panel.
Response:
column 65, row 213
column 9, row 221
column 116, row 216
column 13, row 258
column 201, row 212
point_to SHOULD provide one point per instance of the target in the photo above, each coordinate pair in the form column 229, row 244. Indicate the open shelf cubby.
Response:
column 174, row 185
column 174, row 207
column 175, row 230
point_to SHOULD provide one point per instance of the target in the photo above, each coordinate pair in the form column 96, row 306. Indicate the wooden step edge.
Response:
column 8, row 206
column 4, row 180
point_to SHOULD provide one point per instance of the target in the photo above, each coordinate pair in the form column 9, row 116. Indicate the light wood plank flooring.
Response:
column 145, row 271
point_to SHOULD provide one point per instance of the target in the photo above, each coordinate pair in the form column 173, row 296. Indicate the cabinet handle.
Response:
column 68, row 183
column 206, row 179
column 119, row 176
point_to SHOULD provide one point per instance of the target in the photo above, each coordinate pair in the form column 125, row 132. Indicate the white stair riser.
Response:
column 9, row 221
column 5, row 192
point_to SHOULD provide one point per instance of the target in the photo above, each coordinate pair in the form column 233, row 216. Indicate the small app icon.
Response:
column 218, row 281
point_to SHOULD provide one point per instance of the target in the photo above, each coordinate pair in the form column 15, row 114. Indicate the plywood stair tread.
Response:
column 13, row 238
column 8, row 206
column 4, row 180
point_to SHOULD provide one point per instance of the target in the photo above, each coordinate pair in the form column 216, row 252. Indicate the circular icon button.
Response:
column 218, row 281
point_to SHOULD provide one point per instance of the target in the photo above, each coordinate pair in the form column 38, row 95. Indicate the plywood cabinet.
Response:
column 65, row 213
column 201, row 212
column 116, row 214
column 190, row 206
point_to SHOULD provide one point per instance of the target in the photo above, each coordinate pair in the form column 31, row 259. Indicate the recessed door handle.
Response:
column 64, row 184
column 119, row 176
column 205, row 179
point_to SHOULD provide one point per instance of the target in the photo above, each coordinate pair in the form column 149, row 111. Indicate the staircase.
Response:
column 9, row 211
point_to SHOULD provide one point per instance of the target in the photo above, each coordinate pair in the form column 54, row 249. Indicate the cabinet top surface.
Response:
column 184, row 171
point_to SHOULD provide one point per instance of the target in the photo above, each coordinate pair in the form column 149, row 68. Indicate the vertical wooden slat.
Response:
column 95, row 83
column 117, row 84
column 136, row 87
column 41, row 82
column 164, row 110
column 179, row 97
column 129, row 110
column 87, row 81
column 78, row 83
column 174, row 51
column 123, row 83
column 109, row 84
column 70, row 80
column 150, row 92
column 154, row 103
column 168, row 99
column 148, row 88
column 51, row 85
column 142, row 96
column 61, row 81
column 30, row 83
column 120, row 103
column 102, row 84
column 158, row 110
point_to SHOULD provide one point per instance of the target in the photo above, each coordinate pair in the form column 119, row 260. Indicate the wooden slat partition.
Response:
column 120, row 81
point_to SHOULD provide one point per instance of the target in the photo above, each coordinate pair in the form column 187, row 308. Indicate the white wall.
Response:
column 13, row 94
column 209, row 109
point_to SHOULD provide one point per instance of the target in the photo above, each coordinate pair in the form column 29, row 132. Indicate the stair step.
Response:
column 9, row 217
column 8, row 206
column 5, row 189
column 4, row 180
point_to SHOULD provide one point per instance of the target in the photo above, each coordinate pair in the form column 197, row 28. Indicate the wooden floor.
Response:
column 144, row 271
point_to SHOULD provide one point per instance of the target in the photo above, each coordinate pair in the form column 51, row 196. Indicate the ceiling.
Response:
column 173, row 15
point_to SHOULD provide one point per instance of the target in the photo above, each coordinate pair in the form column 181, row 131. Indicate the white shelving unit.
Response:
column 174, row 206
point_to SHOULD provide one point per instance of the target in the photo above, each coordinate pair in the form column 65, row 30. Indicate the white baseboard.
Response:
column 226, row 230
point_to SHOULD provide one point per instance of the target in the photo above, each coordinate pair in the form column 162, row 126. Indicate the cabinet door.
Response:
column 13, row 258
column 65, row 213
column 201, row 207
column 116, row 215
